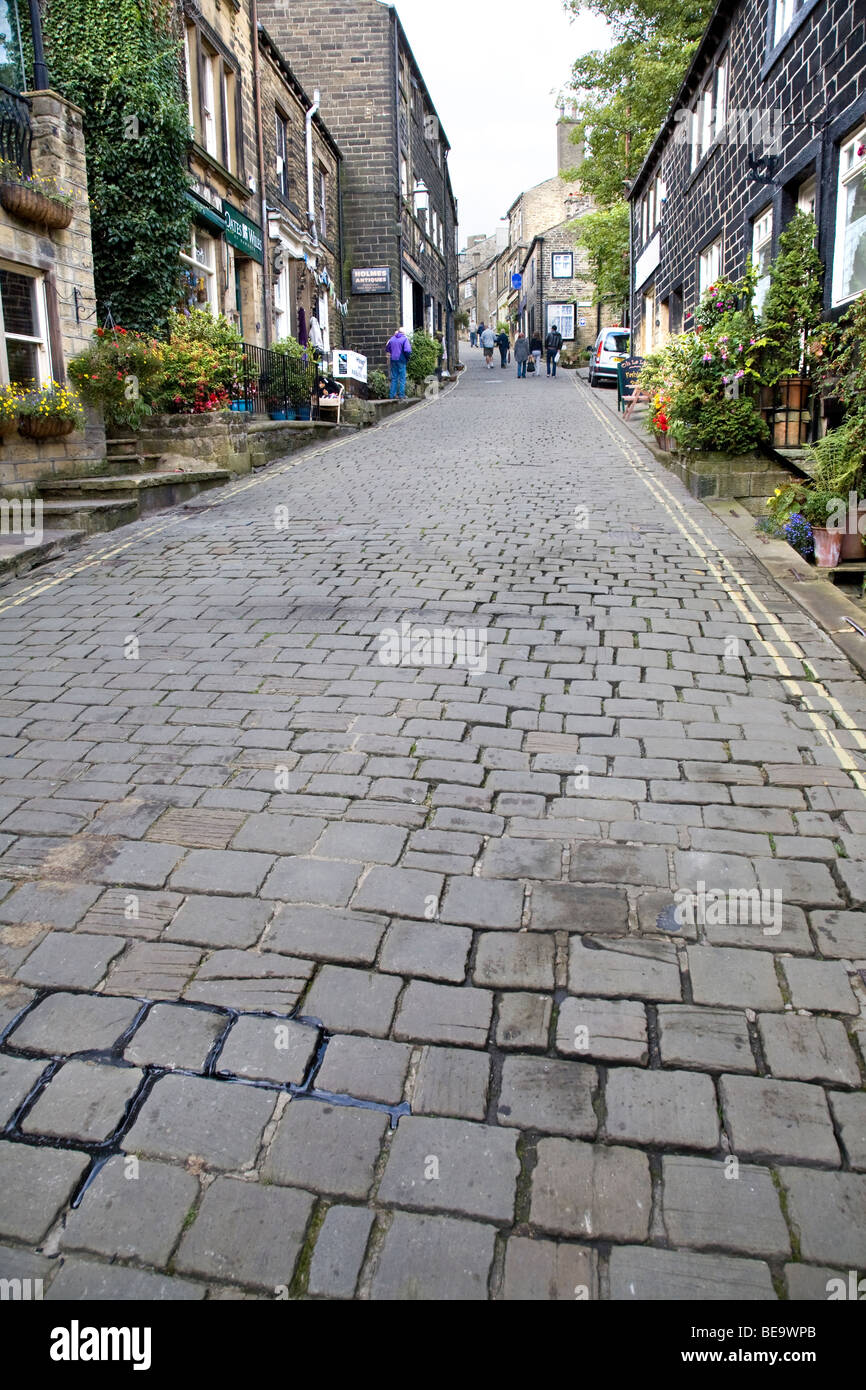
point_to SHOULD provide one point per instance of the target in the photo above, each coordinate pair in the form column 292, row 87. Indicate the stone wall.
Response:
column 63, row 263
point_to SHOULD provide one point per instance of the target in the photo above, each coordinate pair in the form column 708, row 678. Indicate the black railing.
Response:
column 275, row 385
column 16, row 133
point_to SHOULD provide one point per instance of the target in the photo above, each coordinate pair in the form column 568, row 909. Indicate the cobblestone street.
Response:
column 324, row 977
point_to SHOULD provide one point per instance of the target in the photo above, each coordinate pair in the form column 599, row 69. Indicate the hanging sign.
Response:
column 243, row 234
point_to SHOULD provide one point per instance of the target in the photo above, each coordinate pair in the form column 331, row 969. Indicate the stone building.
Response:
column 264, row 237
column 399, row 210
column 47, row 299
column 771, row 116
column 475, row 262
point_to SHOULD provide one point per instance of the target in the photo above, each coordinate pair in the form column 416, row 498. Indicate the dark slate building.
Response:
column 399, row 211
column 770, row 117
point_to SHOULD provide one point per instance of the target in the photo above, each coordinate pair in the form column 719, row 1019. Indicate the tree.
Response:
column 620, row 98
column 604, row 236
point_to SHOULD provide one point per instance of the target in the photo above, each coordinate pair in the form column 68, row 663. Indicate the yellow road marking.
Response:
column 672, row 506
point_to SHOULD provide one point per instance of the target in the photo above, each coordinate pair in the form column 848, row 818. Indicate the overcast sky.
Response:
column 494, row 68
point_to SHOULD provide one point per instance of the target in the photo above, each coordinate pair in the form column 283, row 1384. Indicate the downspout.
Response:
column 340, row 248
column 41, row 81
column 311, row 191
column 260, row 141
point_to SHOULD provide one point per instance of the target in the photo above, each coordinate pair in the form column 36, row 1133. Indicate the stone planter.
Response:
column 31, row 206
column 794, row 392
column 44, row 427
column 828, row 547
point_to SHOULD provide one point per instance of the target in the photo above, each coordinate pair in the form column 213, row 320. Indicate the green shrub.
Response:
column 425, row 356
column 377, row 385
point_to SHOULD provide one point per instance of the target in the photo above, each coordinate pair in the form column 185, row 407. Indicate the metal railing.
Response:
column 272, row 384
column 16, row 132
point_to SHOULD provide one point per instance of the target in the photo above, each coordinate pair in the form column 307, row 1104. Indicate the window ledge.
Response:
column 705, row 159
column 214, row 164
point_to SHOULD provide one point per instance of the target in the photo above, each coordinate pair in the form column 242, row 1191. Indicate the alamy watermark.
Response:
column 410, row 645
column 22, row 517
column 729, row 907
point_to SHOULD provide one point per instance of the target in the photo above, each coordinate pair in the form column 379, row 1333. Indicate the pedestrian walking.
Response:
column 488, row 343
column 503, row 342
column 399, row 351
column 481, row 329
column 521, row 354
column 536, row 347
column 473, row 335
column 553, row 347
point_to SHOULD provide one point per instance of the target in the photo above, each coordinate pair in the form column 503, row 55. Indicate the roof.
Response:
column 707, row 46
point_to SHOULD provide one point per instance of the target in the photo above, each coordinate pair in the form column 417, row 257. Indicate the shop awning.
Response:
column 205, row 215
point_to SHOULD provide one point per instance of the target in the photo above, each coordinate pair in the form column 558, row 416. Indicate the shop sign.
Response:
column 374, row 280
column 350, row 364
column 243, row 234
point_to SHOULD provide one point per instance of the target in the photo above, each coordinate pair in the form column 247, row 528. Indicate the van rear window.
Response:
column 616, row 342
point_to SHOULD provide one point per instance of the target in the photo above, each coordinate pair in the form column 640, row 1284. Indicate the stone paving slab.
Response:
column 262, row 852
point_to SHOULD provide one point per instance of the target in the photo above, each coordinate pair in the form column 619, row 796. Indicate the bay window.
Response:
column 849, row 253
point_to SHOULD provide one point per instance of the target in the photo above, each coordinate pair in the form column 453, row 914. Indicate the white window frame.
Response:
column 187, row 30
column 559, row 256
column 323, row 201
column 39, row 341
column 852, row 168
column 281, row 126
column 785, row 13
column 324, row 317
column 203, row 268
column 807, row 195
column 720, row 117
column 208, row 103
column 709, row 266
column 562, row 315
column 762, row 240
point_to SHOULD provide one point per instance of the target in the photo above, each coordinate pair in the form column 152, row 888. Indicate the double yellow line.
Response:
column 739, row 591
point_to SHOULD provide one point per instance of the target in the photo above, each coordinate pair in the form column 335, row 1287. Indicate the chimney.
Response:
column 569, row 155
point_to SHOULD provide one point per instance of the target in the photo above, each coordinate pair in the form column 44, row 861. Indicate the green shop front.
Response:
column 222, row 265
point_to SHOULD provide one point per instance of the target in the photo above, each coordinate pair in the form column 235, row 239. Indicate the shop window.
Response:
column 561, row 316
column 200, row 278
column 762, row 253
column 709, row 266
column 25, row 358
column 849, row 254
column 282, row 155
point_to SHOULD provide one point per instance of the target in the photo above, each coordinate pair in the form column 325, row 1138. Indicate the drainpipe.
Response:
column 41, row 81
column 311, row 191
column 260, row 141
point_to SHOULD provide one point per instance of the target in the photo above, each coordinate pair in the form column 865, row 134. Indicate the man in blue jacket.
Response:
column 399, row 351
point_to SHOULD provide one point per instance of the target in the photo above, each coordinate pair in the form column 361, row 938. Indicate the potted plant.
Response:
column 300, row 392
column 791, row 316
column 48, row 412
column 34, row 197
column 818, row 507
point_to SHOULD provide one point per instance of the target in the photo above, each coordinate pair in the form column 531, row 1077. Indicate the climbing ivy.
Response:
column 120, row 60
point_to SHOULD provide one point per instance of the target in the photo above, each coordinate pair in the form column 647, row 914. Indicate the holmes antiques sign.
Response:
column 350, row 364
column 375, row 280
column 243, row 234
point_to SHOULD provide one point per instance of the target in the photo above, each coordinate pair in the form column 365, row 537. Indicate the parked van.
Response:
column 612, row 346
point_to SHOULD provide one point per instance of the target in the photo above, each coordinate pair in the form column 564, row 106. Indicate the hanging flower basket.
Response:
column 31, row 206
column 36, row 427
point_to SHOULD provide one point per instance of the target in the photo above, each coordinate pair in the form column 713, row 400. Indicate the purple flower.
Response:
column 708, row 357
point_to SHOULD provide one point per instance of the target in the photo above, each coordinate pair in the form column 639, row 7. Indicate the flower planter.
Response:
column 305, row 412
column 241, row 408
column 791, row 430
column 828, row 547
column 793, row 391
column 663, row 442
column 279, row 415
column 31, row 206
column 852, row 541
column 44, row 427
column 8, row 426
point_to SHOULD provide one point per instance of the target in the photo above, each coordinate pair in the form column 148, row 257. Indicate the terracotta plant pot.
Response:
column 852, row 540
column 44, row 427
column 828, row 546
column 31, row 206
column 794, row 391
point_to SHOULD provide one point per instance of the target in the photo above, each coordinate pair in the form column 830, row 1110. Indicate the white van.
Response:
column 612, row 346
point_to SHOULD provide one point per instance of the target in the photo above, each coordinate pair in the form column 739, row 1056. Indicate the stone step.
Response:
column 132, row 494
column 89, row 517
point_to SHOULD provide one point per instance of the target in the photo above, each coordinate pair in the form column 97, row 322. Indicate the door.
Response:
column 239, row 298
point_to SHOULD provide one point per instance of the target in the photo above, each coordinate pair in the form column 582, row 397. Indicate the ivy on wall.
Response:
column 120, row 60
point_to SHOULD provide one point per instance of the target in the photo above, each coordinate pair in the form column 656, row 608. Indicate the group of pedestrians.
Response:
column 527, row 351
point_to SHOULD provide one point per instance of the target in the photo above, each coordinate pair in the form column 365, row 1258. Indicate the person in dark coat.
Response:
column 553, row 347
column 503, row 342
column 521, row 354
column 536, row 347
